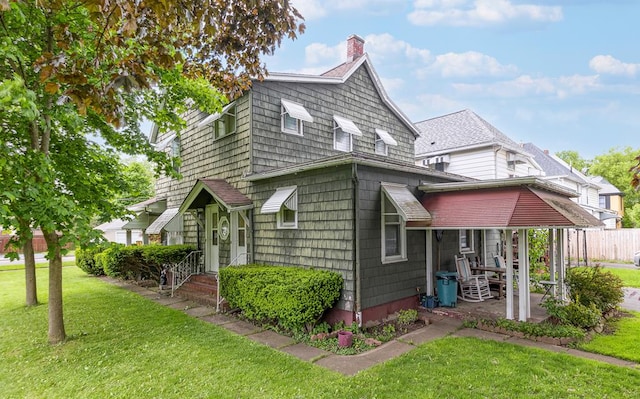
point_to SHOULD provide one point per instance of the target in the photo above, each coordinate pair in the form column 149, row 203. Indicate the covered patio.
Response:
column 510, row 207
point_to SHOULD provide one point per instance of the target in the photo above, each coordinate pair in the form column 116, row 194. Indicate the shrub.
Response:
column 291, row 297
column 139, row 262
column 86, row 259
column 407, row 316
column 595, row 286
column 574, row 313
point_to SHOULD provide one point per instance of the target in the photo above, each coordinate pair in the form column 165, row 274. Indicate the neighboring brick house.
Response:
column 312, row 171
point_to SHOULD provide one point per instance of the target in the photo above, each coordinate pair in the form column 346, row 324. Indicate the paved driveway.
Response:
column 631, row 299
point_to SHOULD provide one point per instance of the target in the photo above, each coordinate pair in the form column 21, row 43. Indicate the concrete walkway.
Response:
column 439, row 326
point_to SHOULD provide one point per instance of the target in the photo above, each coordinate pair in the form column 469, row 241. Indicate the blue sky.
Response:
column 561, row 74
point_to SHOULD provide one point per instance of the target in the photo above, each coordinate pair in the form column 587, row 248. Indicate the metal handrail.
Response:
column 189, row 266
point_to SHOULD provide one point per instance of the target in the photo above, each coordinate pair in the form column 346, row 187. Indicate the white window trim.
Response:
column 402, row 257
column 335, row 141
column 277, row 204
column 294, row 111
column 385, row 147
column 466, row 241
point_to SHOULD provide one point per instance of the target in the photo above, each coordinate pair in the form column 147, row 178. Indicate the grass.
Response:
column 41, row 265
column 624, row 343
column 122, row 345
column 630, row 277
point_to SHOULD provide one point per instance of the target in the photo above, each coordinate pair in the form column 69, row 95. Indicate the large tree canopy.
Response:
column 74, row 70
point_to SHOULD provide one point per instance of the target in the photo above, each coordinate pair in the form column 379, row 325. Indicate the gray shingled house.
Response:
column 311, row 171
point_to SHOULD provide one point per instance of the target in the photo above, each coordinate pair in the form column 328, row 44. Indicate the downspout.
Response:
column 356, row 246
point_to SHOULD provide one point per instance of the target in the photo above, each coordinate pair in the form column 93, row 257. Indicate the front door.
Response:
column 211, row 252
column 238, row 239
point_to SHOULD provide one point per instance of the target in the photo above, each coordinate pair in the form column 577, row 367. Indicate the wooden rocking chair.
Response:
column 472, row 287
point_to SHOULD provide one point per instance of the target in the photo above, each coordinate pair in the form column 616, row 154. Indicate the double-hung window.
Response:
column 399, row 209
column 394, row 246
column 292, row 117
column 343, row 130
column 466, row 241
column 383, row 141
column 175, row 154
column 284, row 203
column 223, row 123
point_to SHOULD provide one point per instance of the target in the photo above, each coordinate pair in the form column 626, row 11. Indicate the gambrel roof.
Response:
column 459, row 131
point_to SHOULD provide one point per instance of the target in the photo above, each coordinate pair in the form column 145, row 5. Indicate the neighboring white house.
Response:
column 559, row 172
column 465, row 144
column 114, row 232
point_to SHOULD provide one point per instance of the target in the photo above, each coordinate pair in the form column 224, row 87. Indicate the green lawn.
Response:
column 41, row 265
column 630, row 277
column 124, row 346
column 624, row 343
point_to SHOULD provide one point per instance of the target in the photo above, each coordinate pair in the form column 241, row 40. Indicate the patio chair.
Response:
column 473, row 287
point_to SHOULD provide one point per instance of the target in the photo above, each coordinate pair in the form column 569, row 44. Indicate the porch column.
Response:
column 552, row 259
column 523, row 272
column 429, row 258
column 561, row 264
column 509, row 261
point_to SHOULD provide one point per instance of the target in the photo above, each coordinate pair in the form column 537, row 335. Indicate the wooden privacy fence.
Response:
column 618, row 244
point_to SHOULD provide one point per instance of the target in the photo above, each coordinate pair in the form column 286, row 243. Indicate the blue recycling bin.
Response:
column 447, row 286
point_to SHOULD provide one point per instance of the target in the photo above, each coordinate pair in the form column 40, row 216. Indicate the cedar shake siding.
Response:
column 356, row 99
column 202, row 157
column 390, row 282
column 324, row 238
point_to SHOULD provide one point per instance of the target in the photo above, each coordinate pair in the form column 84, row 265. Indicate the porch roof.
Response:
column 167, row 221
column 219, row 190
column 520, row 203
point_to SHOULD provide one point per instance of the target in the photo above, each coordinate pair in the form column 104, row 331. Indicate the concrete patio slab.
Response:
column 166, row 301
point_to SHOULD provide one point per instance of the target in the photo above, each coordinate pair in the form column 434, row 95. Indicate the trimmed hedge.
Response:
column 85, row 259
column 293, row 298
column 132, row 262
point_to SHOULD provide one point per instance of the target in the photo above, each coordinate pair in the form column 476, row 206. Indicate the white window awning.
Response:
column 386, row 137
column 286, row 196
column 169, row 220
column 164, row 143
column 347, row 125
column 215, row 116
column 296, row 111
column 407, row 205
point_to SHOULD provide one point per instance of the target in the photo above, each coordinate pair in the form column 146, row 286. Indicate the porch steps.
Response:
column 200, row 288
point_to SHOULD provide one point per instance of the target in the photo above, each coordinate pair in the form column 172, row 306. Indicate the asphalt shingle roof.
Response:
column 550, row 165
column 457, row 130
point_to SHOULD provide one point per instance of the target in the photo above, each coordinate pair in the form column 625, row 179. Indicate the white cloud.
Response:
column 469, row 64
column 526, row 85
column 320, row 53
column 606, row 64
column 385, row 45
column 480, row 12
column 316, row 9
column 310, row 9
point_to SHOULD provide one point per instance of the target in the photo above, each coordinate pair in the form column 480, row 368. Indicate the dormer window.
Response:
column 292, row 117
column 383, row 141
column 343, row 130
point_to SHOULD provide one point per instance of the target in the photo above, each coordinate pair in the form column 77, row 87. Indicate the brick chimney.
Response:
column 546, row 152
column 355, row 47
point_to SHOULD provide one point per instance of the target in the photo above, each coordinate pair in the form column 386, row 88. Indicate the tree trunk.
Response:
column 56, row 321
column 30, row 272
